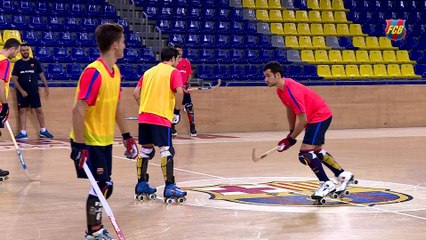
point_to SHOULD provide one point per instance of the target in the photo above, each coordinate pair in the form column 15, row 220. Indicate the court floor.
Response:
column 229, row 196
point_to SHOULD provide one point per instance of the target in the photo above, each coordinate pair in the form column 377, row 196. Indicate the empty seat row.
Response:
column 366, row 16
column 365, row 71
column 301, row 16
column 402, row 5
column 355, row 57
column 213, row 41
column 301, row 4
column 317, row 29
column 57, row 8
column 195, row 13
column 183, row 3
column 195, row 26
column 411, row 43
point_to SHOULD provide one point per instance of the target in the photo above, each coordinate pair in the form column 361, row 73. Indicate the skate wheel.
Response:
column 321, row 201
column 334, row 195
column 139, row 197
column 152, row 196
column 355, row 181
column 346, row 193
column 181, row 200
column 168, row 201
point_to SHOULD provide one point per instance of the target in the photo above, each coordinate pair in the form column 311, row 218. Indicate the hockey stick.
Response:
column 104, row 202
column 219, row 82
column 258, row 158
column 20, row 156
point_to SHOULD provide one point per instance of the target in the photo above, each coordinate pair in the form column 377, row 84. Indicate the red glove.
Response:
column 130, row 145
column 286, row 143
column 291, row 131
column 79, row 154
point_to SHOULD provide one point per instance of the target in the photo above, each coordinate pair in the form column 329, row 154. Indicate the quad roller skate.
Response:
column 4, row 175
column 325, row 189
column 173, row 130
column 101, row 234
column 143, row 191
column 172, row 192
column 343, row 181
column 193, row 131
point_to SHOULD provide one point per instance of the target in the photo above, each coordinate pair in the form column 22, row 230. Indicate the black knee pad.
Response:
column 189, row 108
column 93, row 211
column 106, row 188
column 306, row 157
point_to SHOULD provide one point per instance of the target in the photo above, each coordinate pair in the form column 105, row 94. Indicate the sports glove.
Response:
column 79, row 154
column 176, row 116
column 4, row 114
column 130, row 145
column 286, row 143
column 291, row 131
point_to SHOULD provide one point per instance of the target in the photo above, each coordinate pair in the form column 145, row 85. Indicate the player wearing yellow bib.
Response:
column 10, row 49
column 157, row 93
column 97, row 108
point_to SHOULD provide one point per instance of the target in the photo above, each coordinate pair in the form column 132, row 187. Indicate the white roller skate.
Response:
column 101, row 234
column 144, row 191
column 343, row 181
column 172, row 192
column 325, row 189
column 4, row 175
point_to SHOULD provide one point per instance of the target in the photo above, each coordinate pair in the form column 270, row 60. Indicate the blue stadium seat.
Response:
column 94, row 54
column 266, row 55
column 237, row 72
column 222, row 14
column 42, row 8
column 237, row 27
column 124, row 23
column 77, row 10
column 207, row 40
column 193, row 26
column 301, row 4
column 19, row 22
column 59, row 8
column 295, row 71
column 250, row 27
column 207, row 55
column 411, row 5
column 353, row 16
column 236, row 14
column 179, row 26
column 166, row 12
column 181, row 3
column 252, row 72
column 192, row 40
column 420, row 69
column 128, row 72
column 72, row 24
column 181, row 13
column 56, row 72
column 109, row 11
column 236, row 41
column 222, row 56
column 208, row 26
column 207, row 3
column 148, row 55
column 191, row 54
column 84, row 39
column 66, row 39
column 88, row 24
column 7, row 6
column 346, row 42
column 409, row 43
column 131, row 55
column 54, row 23
column 176, row 38
column 222, row 27
column 36, row 23
column 30, row 37
column 237, row 55
column 4, row 22
column 221, row 71
column 208, row 13
column 195, row 13
column 250, row 41
column 134, row 40
column 280, row 55
column 92, row 10
column 152, row 12
column 49, row 38
column 25, row 7
column 378, row 17
column 165, row 25
column 141, row 69
column 222, row 41
column 264, row 41
column 61, row 54
column 310, row 72
column 416, row 55
column 74, row 71
column 205, row 72
column 252, row 55
column 79, row 54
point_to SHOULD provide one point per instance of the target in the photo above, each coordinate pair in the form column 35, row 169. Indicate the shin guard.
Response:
column 94, row 213
column 142, row 163
column 167, row 163
column 314, row 163
column 189, row 109
column 328, row 160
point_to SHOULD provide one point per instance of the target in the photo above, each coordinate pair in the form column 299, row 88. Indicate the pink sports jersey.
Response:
column 184, row 67
column 302, row 99
column 5, row 70
column 175, row 82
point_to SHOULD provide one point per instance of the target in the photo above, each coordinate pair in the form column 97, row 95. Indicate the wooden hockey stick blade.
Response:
column 19, row 153
column 258, row 158
column 219, row 82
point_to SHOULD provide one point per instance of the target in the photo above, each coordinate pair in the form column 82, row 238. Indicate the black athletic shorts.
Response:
column 186, row 98
column 33, row 100
column 315, row 132
column 160, row 136
column 99, row 162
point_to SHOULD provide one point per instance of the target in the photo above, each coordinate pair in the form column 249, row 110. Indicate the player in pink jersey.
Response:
column 184, row 67
column 307, row 110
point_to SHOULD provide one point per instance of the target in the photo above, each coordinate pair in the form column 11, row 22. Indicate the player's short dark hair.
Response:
column 275, row 67
column 167, row 53
column 107, row 34
column 25, row 45
column 11, row 42
column 179, row 46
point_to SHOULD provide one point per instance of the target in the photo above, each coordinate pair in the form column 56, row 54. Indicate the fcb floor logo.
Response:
column 282, row 194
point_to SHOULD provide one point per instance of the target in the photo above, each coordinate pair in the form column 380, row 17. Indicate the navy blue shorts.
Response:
column 99, row 162
column 315, row 132
column 33, row 100
column 160, row 136
column 186, row 98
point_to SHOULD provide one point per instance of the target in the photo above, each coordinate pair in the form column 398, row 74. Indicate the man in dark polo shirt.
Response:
column 25, row 78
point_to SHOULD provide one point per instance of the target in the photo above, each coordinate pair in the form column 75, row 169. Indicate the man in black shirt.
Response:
column 25, row 78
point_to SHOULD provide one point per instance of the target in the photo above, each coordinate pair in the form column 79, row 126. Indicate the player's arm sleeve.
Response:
column 189, row 68
column 297, row 104
column 4, row 68
column 175, row 80
column 15, row 71
column 90, row 83
column 39, row 68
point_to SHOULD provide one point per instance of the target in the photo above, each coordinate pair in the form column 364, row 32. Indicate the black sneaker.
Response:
column 174, row 132
column 193, row 130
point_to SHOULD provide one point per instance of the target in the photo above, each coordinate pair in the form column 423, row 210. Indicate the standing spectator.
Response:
column 25, row 77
